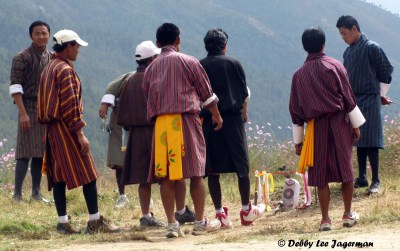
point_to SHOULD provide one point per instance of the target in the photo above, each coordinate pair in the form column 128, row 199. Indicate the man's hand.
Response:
column 84, row 142
column 24, row 122
column 386, row 100
column 103, row 110
column 217, row 119
column 298, row 148
column 244, row 113
column 356, row 136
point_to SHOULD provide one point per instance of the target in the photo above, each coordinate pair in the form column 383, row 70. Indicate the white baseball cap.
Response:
column 64, row 36
column 146, row 49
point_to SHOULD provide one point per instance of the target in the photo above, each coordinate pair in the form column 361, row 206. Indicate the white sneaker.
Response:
column 224, row 218
column 350, row 219
column 247, row 218
column 207, row 226
column 122, row 200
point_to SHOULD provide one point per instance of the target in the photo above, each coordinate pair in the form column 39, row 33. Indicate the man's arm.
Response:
column 24, row 120
column 216, row 116
column 16, row 89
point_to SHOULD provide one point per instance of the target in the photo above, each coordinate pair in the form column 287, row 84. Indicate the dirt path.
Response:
column 387, row 238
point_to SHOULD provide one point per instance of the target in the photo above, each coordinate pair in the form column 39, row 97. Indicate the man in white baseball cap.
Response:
column 68, row 159
column 146, row 49
column 64, row 36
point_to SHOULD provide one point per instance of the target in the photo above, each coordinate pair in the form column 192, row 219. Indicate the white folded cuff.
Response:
column 248, row 97
column 384, row 89
column 356, row 117
column 16, row 89
column 209, row 100
column 109, row 99
column 298, row 133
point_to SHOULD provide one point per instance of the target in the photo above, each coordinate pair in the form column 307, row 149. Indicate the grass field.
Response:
column 31, row 225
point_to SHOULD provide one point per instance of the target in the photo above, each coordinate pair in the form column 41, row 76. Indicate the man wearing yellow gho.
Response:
column 321, row 97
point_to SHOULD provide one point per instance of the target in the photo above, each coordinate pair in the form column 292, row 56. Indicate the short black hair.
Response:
column 347, row 22
column 61, row 47
column 38, row 23
column 144, row 62
column 167, row 34
column 313, row 40
column 215, row 40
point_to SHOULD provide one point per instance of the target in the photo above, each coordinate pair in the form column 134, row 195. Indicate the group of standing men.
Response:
column 160, row 105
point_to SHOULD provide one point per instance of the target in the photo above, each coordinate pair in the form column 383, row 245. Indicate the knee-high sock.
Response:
column 118, row 177
column 59, row 198
column 36, row 173
column 90, row 193
column 244, row 189
column 215, row 190
column 373, row 156
column 21, row 168
column 362, row 153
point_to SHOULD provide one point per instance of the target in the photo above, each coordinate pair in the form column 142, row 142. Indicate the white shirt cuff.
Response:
column 16, row 89
column 384, row 89
column 209, row 100
column 298, row 133
column 248, row 97
column 109, row 99
column 356, row 117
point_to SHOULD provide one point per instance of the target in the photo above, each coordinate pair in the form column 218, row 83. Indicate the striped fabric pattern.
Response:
column 175, row 83
column 321, row 90
column 367, row 66
column 115, row 157
column 133, row 116
column 26, row 68
column 60, row 108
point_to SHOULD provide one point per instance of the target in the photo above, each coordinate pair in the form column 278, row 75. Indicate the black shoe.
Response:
column 151, row 222
column 17, row 197
column 66, row 229
column 374, row 188
column 360, row 183
column 188, row 216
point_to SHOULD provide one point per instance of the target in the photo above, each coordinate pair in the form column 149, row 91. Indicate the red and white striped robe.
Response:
column 321, row 91
column 60, row 108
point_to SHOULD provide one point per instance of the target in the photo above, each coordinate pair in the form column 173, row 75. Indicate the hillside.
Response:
column 263, row 35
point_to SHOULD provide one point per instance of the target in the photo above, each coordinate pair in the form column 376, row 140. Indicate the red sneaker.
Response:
column 224, row 218
column 247, row 218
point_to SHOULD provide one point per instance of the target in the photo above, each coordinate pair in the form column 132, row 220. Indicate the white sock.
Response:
column 182, row 211
column 246, row 207
column 95, row 216
column 176, row 224
column 147, row 216
column 202, row 222
column 221, row 210
column 63, row 219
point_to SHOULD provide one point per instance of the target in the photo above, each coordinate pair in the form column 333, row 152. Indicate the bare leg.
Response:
column 144, row 197
column 167, row 191
column 347, row 194
column 180, row 194
column 197, row 192
column 324, row 197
